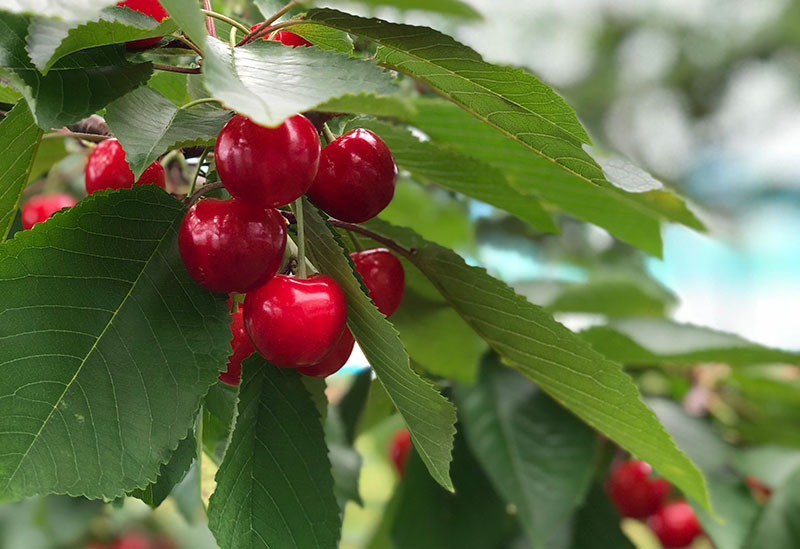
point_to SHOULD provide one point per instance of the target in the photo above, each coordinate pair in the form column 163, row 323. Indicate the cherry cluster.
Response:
column 637, row 494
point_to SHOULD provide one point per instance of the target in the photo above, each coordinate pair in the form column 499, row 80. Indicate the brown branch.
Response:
column 184, row 70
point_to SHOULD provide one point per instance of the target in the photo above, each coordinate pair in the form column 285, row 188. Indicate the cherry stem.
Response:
column 301, row 238
column 78, row 135
column 200, row 102
column 268, row 30
column 256, row 33
column 189, row 43
column 197, row 171
column 354, row 240
column 212, row 32
column 232, row 22
column 183, row 70
column 191, row 199
column 329, row 135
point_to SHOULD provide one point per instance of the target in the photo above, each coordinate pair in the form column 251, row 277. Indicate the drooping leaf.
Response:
column 429, row 416
column 50, row 151
column 7, row 95
column 538, row 456
column 274, row 487
column 261, row 79
column 51, row 39
column 353, row 403
column 186, row 13
column 566, row 367
column 597, row 524
column 648, row 341
column 76, row 85
column 108, row 347
column 19, row 141
column 170, row 474
column 447, row 7
column 148, row 124
column 455, row 172
column 778, row 527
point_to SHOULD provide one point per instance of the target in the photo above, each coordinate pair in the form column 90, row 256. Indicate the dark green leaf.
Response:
column 111, row 343
column 148, row 124
column 352, row 404
column 19, row 141
column 597, row 524
column 260, row 80
column 538, row 456
column 429, row 416
column 218, row 411
column 170, row 474
column 274, row 487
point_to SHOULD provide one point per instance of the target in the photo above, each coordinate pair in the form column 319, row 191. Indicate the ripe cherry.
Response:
column 399, row 449
column 286, row 38
column 241, row 348
column 356, row 177
column 294, row 322
column 634, row 492
column 267, row 167
column 228, row 246
column 107, row 169
column 40, row 207
column 334, row 360
column 147, row 7
column 675, row 524
column 132, row 541
column 383, row 276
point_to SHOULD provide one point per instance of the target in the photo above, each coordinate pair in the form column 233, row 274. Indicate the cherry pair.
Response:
column 637, row 494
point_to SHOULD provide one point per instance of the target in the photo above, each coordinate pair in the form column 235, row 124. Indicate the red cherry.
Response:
column 107, row 169
column 334, row 360
column 399, row 449
column 356, row 177
column 286, row 38
column 634, row 492
column 147, row 7
column 229, row 247
column 675, row 524
column 241, row 348
column 294, row 322
column 383, row 276
column 132, row 541
column 267, row 167
column 41, row 207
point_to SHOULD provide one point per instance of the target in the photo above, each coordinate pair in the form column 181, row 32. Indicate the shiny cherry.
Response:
column 147, row 7
column 356, row 177
column 107, row 169
column 634, row 492
column 228, row 246
column 241, row 348
column 294, row 322
column 334, row 360
column 286, row 38
column 132, row 541
column 383, row 276
column 675, row 524
column 40, row 207
column 399, row 448
column 267, row 167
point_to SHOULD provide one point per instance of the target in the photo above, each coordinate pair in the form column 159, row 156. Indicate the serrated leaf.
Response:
column 170, row 474
column 148, row 124
column 19, row 141
column 447, row 7
column 455, row 172
column 389, row 106
column 538, row 456
column 274, row 487
column 632, row 217
column 76, row 86
column 108, row 347
column 429, row 416
column 51, row 39
column 186, row 13
column 560, row 362
column 73, row 12
column 262, row 80
column 597, row 524
column 325, row 38
column 648, row 341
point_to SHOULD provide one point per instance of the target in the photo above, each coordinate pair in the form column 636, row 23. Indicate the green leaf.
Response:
column 7, row 95
column 111, row 343
column 560, row 362
column 538, row 456
column 186, row 13
column 632, row 217
column 148, row 124
column 19, row 141
column 325, row 38
column 76, row 86
column 455, row 172
column 50, row 152
column 447, row 7
column 390, row 106
column 597, row 524
column 170, row 474
column 67, row 11
column 778, row 527
column 648, row 341
column 172, row 85
column 260, row 80
column 378, row 408
column 429, row 416
column 771, row 465
column 352, row 404
column 274, row 487
column 51, row 39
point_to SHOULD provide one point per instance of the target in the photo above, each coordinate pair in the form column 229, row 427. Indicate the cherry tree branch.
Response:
column 170, row 68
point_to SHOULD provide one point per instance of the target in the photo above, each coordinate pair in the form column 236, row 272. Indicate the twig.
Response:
column 301, row 238
column 197, row 171
column 212, row 32
column 170, row 68
column 256, row 33
column 192, row 198
column 209, row 14
column 78, row 135
column 188, row 43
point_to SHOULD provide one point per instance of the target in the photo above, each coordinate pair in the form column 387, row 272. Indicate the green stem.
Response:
column 189, row 43
column 198, row 435
column 232, row 37
column 356, row 245
column 226, row 19
column 182, row 70
column 77, row 135
column 301, row 239
column 263, row 30
column 200, row 101
column 256, row 32
column 197, row 171
column 329, row 135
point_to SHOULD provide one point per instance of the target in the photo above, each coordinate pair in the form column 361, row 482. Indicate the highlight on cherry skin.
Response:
column 106, row 168
column 148, row 7
column 267, row 167
column 399, row 449
column 634, row 491
column 356, row 177
column 383, row 276
column 295, row 322
column 41, row 207
column 228, row 246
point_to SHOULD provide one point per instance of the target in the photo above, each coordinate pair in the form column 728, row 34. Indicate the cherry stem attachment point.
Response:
column 256, row 32
column 197, row 171
column 188, row 43
column 329, row 135
column 195, row 196
column 301, row 238
column 183, row 70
